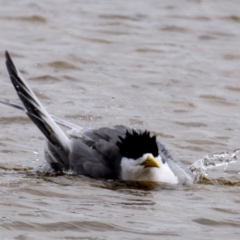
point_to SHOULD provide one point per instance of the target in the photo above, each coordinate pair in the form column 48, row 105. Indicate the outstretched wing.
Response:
column 34, row 109
column 58, row 120
column 14, row 105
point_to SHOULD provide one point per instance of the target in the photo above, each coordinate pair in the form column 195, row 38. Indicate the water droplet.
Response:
column 200, row 167
column 35, row 151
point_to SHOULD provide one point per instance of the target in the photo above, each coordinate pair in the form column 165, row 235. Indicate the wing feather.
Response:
column 35, row 110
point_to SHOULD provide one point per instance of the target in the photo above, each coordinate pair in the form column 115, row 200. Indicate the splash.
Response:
column 200, row 167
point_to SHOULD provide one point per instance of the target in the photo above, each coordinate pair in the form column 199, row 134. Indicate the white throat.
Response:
column 134, row 171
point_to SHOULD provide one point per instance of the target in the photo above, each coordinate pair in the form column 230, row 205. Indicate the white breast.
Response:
column 132, row 170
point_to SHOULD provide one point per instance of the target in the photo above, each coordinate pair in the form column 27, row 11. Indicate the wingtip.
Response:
column 8, row 58
column 9, row 62
column 7, row 55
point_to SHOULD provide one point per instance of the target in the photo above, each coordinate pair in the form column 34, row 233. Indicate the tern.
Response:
column 118, row 153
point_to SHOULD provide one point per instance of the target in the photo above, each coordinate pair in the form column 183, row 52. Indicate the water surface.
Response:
column 168, row 66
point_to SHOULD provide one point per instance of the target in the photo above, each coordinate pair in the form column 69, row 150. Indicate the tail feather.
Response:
column 34, row 109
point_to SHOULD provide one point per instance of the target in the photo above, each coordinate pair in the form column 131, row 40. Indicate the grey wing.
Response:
column 37, row 113
column 34, row 109
column 184, row 174
column 107, row 133
column 14, row 105
column 58, row 120
column 95, row 154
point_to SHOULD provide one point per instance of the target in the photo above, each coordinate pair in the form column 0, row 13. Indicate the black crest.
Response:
column 134, row 145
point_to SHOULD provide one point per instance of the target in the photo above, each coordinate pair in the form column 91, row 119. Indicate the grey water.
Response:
column 171, row 67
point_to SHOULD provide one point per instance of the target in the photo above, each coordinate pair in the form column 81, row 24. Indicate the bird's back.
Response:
column 93, row 153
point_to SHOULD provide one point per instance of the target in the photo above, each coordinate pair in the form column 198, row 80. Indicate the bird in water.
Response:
column 104, row 153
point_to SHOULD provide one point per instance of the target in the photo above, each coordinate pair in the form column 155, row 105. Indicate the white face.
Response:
column 141, row 170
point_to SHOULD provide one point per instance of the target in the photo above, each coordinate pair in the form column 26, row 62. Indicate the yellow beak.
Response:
column 150, row 162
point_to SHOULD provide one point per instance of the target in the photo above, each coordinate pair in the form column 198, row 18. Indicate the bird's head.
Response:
column 141, row 159
column 140, row 155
